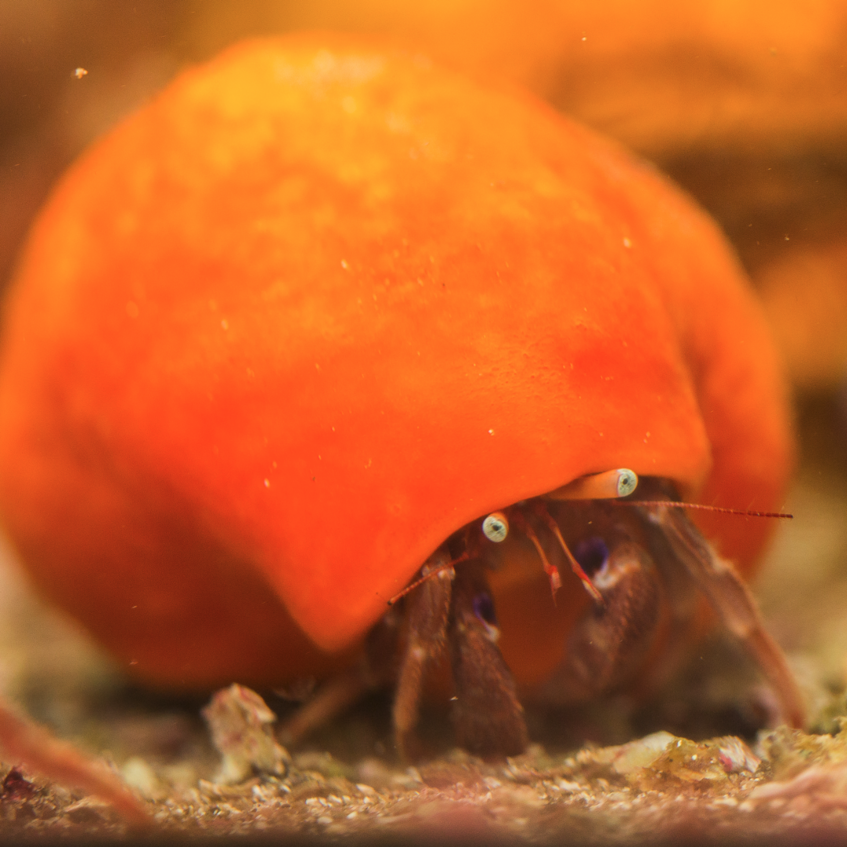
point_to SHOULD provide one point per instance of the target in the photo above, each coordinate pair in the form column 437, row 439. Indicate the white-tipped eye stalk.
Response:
column 598, row 486
column 495, row 527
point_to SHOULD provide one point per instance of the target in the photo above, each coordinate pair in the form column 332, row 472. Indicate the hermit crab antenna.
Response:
column 523, row 526
column 676, row 504
column 551, row 570
column 576, row 567
column 429, row 573
column 598, row 486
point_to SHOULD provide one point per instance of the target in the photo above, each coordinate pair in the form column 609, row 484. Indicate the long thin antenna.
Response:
column 675, row 504
column 428, row 575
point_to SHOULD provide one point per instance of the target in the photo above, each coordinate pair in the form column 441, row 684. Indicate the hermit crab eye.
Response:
column 495, row 527
column 627, row 482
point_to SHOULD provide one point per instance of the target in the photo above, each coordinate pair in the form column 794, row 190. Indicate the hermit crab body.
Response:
column 321, row 305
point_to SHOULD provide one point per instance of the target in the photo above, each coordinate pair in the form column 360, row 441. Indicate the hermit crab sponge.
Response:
column 319, row 305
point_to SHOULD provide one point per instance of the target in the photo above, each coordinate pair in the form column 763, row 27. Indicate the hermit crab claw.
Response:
column 608, row 645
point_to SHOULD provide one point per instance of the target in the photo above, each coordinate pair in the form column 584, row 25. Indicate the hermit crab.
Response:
column 321, row 321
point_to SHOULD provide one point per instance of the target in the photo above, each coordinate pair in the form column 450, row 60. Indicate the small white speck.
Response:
column 134, row 607
column 585, row 38
column 79, row 73
column 225, row 323
column 133, row 661
column 267, row 483
column 344, row 264
column 491, row 432
column 627, row 243
column 787, row 238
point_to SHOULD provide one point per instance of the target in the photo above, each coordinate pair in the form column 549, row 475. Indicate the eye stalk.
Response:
column 608, row 485
column 495, row 527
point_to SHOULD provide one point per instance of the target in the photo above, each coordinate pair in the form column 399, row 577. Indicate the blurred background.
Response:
column 743, row 102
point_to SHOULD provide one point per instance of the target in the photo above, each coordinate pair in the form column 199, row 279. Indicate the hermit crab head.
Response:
column 294, row 329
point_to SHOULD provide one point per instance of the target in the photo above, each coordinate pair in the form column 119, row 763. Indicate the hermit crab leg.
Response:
column 21, row 740
column 669, row 526
column 453, row 608
column 343, row 690
column 337, row 694
column 427, row 614
column 488, row 715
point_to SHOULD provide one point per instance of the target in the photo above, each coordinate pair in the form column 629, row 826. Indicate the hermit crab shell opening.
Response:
column 320, row 304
